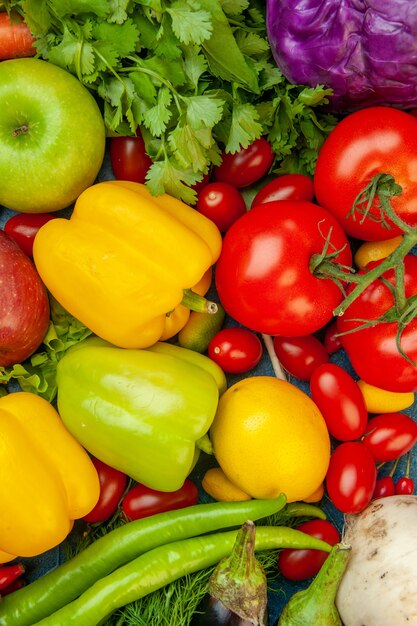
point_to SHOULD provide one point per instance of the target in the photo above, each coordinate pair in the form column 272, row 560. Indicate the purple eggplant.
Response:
column 237, row 589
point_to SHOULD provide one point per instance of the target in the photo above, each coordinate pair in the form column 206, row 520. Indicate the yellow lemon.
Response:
column 269, row 437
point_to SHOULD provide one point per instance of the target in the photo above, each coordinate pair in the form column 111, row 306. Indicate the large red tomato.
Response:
column 265, row 277
column 373, row 351
column 376, row 140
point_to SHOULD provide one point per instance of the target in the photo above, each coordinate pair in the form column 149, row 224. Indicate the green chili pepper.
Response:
column 163, row 565
column 52, row 591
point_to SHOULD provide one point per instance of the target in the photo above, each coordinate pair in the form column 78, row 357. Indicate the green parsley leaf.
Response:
column 157, row 117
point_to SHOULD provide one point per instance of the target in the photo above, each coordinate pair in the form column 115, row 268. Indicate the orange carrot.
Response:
column 15, row 37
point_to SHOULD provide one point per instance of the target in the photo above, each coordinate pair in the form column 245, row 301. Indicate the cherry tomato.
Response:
column 286, row 187
column 141, row 501
column 264, row 276
column 128, row 158
column 331, row 339
column 235, row 350
column 384, row 487
column 300, row 355
column 300, row 564
column 373, row 351
column 340, row 401
column 374, row 140
column 404, row 486
column 351, row 477
column 112, row 485
column 23, row 227
column 390, row 435
column 245, row 167
column 222, row 203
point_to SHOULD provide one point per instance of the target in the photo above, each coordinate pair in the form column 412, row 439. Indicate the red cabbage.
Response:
column 365, row 50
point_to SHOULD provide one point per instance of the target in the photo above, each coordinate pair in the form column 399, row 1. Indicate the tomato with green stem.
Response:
column 367, row 161
column 379, row 327
column 270, row 277
column 405, row 484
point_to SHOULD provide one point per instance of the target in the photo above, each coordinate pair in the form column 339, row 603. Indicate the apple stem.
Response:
column 23, row 129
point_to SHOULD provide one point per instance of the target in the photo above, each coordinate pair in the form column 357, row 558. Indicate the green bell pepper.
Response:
column 141, row 411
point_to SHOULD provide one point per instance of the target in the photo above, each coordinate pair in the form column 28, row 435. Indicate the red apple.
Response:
column 24, row 304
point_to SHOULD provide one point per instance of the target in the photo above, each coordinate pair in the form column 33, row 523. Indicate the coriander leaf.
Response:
column 190, row 22
column 190, row 147
column 167, row 43
column 65, row 8
column 37, row 16
column 251, row 44
column 166, row 176
column 234, row 7
column 157, row 117
column 195, row 65
column 203, row 111
column 121, row 37
column 73, row 54
column 144, row 87
column 245, row 127
column 118, row 10
column 222, row 52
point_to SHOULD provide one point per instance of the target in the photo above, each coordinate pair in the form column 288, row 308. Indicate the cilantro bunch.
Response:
column 197, row 77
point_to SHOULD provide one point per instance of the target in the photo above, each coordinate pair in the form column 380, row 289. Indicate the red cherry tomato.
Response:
column 300, row 355
column 245, row 167
column 351, row 477
column 300, row 564
column 141, row 501
column 340, row 401
column 286, row 187
column 112, row 485
column 332, row 341
column 128, row 158
column 383, row 487
column 222, row 203
column 404, row 486
column 23, row 227
column 235, row 350
column 390, row 435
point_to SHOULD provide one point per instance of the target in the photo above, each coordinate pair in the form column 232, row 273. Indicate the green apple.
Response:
column 52, row 136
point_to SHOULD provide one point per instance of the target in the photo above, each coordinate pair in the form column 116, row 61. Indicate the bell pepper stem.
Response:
column 204, row 444
column 195, row 302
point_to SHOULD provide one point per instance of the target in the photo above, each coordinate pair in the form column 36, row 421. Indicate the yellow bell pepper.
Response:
column 47, row 479
column 122, row 261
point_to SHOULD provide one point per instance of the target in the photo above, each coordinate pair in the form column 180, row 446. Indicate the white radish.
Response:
column 379, row 586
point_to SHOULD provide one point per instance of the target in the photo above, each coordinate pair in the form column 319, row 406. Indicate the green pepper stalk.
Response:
column 237, row 589
column 161, row 566
column 315, row 606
